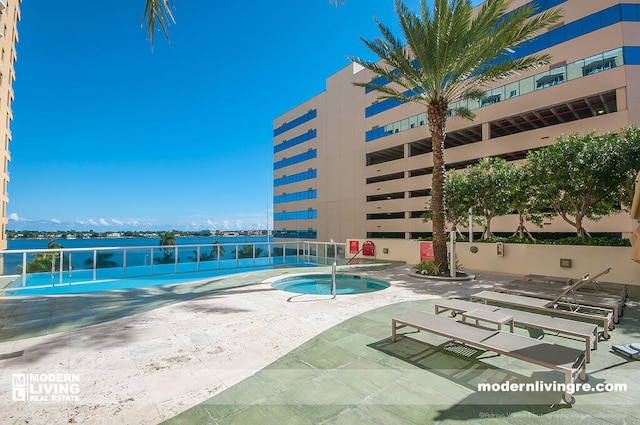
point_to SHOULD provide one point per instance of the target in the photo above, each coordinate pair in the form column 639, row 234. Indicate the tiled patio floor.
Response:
column 353, row 373
column 234, row 350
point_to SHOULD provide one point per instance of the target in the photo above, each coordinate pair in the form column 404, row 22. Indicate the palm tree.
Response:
column 248, row 252
column 157, row 16
column 167, row 239
column 47, row 261
column 216, row 249
column 450, row 55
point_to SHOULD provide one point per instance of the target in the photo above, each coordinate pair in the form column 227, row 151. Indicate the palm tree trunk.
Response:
column 437, row 116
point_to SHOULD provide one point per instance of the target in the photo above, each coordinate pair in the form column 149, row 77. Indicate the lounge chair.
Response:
column 604, row 317
column 569, row 361
column 574, row 298
column 586, row 331
column 617, row 295
column 593, row 286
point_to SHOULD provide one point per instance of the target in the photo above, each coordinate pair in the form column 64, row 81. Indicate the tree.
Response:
column 47, row 261
column 521, row 196
column 158, row 15
column 167, row 239
column 489, row 182
column 247, row 252
column 628, row 146
column 458, row 200
column 217, row 250
column 578, row 177
column 446, row 56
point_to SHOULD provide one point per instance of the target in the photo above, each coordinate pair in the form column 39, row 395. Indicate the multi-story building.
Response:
column 9, row 17
column 348, row 165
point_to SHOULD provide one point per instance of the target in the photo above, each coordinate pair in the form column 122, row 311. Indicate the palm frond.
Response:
column 157, row 15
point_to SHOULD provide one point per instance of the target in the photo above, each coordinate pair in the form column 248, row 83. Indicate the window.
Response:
column 549, row 80
column 599, row 65
column 490, row 100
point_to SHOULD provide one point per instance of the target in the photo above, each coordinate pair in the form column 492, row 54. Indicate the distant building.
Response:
column 9, row 17
column 348, row 165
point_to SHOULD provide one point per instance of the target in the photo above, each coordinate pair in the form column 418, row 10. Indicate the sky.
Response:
column 110, row 134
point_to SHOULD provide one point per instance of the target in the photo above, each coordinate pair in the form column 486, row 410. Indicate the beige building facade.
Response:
column 9, row 17
column 349, row 165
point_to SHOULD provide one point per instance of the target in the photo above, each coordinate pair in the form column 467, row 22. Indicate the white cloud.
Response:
column 55, row 220
column 80, row 222
column 103, row 222
column 118, row 222
column 92, row 221
column 15, row 217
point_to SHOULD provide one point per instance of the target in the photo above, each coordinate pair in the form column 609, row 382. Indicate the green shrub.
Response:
column 428, row 267
column 574, row 240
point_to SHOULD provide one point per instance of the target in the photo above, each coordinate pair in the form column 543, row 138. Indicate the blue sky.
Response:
column 109, row 134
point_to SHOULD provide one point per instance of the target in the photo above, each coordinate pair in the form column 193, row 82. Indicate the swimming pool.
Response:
column 322, row 284
column 43, row 285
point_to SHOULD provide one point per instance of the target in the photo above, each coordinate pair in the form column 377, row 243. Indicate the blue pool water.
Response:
column 322, row 284
column 43, row 284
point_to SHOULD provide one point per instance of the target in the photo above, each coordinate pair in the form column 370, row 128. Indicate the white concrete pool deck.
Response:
column 151, row 366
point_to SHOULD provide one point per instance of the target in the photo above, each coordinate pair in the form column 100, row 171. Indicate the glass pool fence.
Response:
column 60, row 266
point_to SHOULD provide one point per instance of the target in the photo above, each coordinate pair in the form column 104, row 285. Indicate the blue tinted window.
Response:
column 631, row 55
column 374, row 134
column 573, row 30
column 296, row 234
column 295, row 215
column 541, row 42
column 296, row 122
column 556, row 36
column 305, row 175
column 610, row 16
column 305, row 156
column 379, row 81
column 629, row 12
column 297, row 196
column 590, row 23
column 385, row 105
column 295, row 141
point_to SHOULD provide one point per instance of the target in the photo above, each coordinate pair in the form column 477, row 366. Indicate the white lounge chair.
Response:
column 569, row 361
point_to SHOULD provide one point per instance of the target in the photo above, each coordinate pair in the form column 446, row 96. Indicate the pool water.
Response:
column 322, row 284
column 43, row 284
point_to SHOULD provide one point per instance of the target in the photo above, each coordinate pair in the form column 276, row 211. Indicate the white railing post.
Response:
column 333, row 280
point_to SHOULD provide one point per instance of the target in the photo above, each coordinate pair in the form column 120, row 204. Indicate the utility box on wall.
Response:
column 368, row 249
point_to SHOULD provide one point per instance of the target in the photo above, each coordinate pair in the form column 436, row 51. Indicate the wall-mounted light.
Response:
column 565, row 262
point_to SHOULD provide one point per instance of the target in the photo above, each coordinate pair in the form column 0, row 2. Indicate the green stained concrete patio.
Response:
column 353, row 373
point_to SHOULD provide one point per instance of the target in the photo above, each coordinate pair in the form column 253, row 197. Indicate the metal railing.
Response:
column 65, row 266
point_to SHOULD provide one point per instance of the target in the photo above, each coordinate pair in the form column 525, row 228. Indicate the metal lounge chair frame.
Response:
column 557, row 287
column 569, row 361
column 578, row 299
column 586, row 331
column 595, row 286
column 604, row 317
